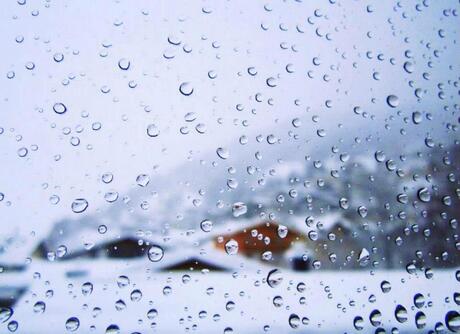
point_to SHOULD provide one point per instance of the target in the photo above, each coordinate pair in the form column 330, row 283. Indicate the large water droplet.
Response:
column 186, row 88
column 453, row 321
column 223, row 153
column 142, row 180
column 153, row 130
column 294, row 321
column 239, row 209
column 79, row 205
column 424, row 194
column 393, row 101
column 59, row 108
column 274, row 278
column 124, row 64
column 231, row 247
column 206, row 225
column 155, row 253
column 401, row 314
column 72, row 324
column 358, row 323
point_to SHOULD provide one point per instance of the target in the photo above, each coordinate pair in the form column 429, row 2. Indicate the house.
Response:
column 266, row 242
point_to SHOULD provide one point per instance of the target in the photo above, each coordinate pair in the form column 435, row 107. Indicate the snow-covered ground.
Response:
column 201, row 303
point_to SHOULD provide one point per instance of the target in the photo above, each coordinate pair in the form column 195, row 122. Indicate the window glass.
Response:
column 229, row 166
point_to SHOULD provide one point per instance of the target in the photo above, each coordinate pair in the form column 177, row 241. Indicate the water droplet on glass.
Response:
column 358, row 323
column 294, row 321
column 186, row 88
column 393, row 101
column 22, row 152
column 424, row 194
column 239, row 209
column 124, row 64
column 155, row 253
column 231, row 247
column 223, row 153
column 206, row 225
column 72, row 324
column 59, row 108
column 153, row 130
column 274, row 278
column 363, row 257
column 417, row 117
column 86, row 288
column 142, row 180
column 79, row 205
column 452, row 320
column 401, row 314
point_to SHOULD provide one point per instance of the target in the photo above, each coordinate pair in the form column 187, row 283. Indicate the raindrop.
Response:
column 417, row 117
column 375, row 318
column 420, row 320
column 79, row 205
column 155, row 253
column 5, row 314
column 190, row 117
column 123, row 281
column 385, row 286
column 13, row 326
column 424, row 194
column 282, row 231
column 453, row 321
column 58, row 57
column 142, row 180
column 124, row 64
column 107, row 177
column 136, row 295
column 380, row 156
column 274, row 278
column 231, row 247
column 112, row 329
column 223, row 153
column 72, row 324
column 153, row 130
column 239, row 209
column 22, row 152
column 393, row 101
column 358, row 323
column 59, row 108
column 111, row 196
column 294, row 321
column 186, row 89
column 206, row 225
column 363, row 257
column 86, row 288
column 401, row 314
column 408, row 67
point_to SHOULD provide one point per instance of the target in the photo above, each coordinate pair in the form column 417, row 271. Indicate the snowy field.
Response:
column 218, row 302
